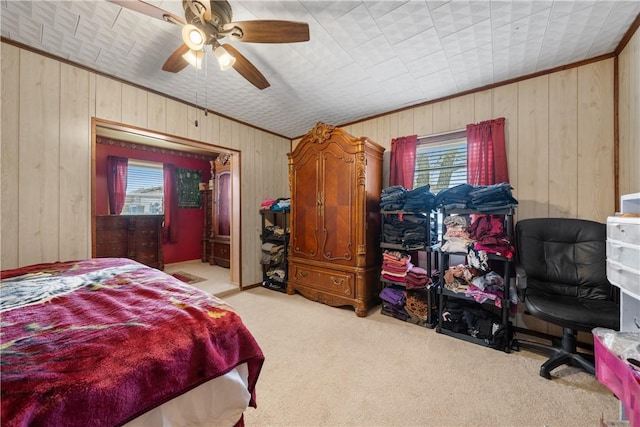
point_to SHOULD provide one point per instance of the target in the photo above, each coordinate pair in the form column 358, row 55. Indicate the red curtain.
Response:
column 170, row 227
column 116, row 183
column 403, row 161
column 486, row 153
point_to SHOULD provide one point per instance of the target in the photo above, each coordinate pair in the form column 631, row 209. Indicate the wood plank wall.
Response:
column 629, row 116
column 559, row 146
column 559, row 133
column 47, row 108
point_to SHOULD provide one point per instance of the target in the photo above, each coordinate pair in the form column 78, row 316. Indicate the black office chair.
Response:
column 561, row 277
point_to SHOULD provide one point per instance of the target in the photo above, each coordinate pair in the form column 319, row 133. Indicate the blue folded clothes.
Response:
column 483, row 198
column 281, row 204
column 458, row 194
column 419, row 191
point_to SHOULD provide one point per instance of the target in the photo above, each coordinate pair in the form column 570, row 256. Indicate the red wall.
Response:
column 190, row 221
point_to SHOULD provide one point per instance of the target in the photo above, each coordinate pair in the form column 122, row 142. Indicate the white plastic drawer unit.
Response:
column 623, row 253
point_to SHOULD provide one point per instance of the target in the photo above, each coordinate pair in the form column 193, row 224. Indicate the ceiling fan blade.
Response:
column 269, row 31
column 149, row 10
column 247, row 69
column 176, row 62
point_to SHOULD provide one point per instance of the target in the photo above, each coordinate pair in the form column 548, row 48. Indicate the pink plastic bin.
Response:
column 620, row 378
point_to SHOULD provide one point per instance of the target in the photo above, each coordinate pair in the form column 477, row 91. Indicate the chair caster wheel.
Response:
column 545, row 374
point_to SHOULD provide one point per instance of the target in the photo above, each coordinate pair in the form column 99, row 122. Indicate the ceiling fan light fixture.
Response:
column 194, row 57
column 193, row 37
column 225, row 59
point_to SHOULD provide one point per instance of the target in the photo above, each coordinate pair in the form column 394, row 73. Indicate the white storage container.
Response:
column 624, row 253
column 624, row 229
column 624, row 277
column 630, row 203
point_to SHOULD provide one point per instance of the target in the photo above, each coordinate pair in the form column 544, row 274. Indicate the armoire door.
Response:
column 337, row 217
column 305, row 213
column 222, row 211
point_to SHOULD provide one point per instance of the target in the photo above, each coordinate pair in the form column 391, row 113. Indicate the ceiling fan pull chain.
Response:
column 206, row 92
column 197, row 86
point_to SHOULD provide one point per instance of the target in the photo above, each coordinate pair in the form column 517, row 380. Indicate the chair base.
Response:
column 566, row 354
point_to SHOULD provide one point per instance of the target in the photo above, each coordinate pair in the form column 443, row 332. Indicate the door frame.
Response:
column 125, row 132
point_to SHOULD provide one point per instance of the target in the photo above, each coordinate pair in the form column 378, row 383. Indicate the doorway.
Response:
column 156, row 140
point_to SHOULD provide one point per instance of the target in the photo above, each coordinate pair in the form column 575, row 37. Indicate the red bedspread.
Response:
column 98, row 342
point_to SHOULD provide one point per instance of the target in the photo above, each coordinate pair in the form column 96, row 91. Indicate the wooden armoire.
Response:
column 336, row 181
column 221, row 220
column 216, row 199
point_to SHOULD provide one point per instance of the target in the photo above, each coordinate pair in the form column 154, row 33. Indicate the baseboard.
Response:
column 541, row 335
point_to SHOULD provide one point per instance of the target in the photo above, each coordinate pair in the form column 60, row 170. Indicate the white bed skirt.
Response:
column 219, row 402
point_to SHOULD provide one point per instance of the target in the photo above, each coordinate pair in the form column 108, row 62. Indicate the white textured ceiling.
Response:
column 364, row 57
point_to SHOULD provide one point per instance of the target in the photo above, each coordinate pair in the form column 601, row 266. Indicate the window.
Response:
column 145, row 188
column 441, row 161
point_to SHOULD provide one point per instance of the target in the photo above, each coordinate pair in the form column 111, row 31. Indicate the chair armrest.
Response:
column 521, row 278
column 521, row 282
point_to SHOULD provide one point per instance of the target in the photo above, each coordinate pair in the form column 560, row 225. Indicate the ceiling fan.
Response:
column 206, row 22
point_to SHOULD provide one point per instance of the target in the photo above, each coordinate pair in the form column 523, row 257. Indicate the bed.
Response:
column 111, row 342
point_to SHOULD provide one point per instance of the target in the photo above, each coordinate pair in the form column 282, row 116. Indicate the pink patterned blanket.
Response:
column 99, row 342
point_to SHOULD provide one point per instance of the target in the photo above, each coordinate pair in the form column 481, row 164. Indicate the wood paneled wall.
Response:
column 47, row 108
column 559, row 133
column 629, row 116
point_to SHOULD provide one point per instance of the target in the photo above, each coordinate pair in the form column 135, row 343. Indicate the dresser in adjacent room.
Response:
column 138, row 237
column 336, row 181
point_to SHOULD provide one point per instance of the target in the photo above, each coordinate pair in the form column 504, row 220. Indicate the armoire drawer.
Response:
column 335, row 282
column 222, row 254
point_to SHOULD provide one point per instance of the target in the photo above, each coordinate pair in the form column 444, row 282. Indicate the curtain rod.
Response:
column 435, row 135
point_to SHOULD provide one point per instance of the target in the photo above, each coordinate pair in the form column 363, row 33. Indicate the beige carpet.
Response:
column 327, row 367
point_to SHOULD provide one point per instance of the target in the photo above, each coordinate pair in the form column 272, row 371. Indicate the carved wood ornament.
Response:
column 320, row 133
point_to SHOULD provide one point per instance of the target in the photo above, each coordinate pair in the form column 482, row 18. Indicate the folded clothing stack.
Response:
column 266, row 204
column 395, row 265
column 393, row 301
column 279, row 204
column 272, row 253
column 417, row 278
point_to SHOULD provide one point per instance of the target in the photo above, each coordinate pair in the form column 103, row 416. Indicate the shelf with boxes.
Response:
column 275, row 242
